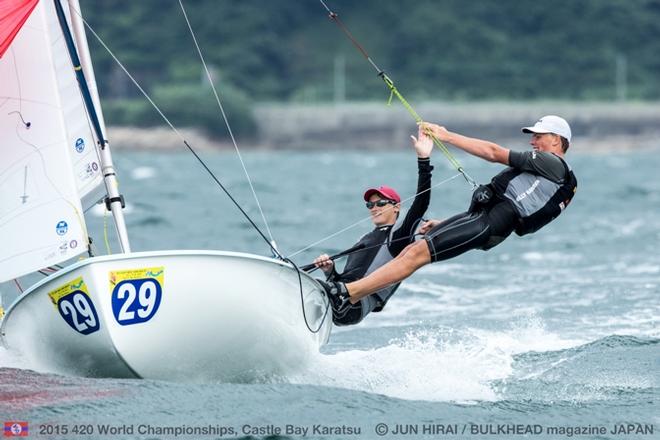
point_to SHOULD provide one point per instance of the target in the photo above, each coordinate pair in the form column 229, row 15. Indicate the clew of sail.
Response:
column 50, row 170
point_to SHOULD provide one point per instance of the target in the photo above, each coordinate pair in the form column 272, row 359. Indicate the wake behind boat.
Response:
column 174, row 315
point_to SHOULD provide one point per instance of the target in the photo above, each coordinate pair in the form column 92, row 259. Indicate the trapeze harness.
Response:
column 528, row 195
column 382, row 245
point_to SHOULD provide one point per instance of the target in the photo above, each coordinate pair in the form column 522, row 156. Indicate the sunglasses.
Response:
column 380, row 203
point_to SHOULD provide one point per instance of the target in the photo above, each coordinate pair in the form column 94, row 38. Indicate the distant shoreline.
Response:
column 369, row 125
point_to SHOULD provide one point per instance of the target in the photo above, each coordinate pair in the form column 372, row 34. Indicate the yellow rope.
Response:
column 436, row 141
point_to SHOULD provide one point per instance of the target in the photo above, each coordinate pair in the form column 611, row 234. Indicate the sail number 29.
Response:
column 136, row 300
column 78, row 311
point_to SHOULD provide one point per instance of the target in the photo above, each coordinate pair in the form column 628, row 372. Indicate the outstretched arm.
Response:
column 487, row 150
column 423, row 143
column 406, row 228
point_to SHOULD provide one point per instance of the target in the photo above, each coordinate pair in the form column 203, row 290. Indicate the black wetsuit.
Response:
column 380, row 246
column 529, row 194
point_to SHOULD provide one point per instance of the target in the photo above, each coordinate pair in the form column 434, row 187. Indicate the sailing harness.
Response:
column 550, row 200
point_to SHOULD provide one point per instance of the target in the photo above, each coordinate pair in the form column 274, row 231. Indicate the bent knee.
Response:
column 418, row 253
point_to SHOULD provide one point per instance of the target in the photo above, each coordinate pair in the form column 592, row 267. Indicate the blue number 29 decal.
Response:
column 136, row 301
column 78, row 311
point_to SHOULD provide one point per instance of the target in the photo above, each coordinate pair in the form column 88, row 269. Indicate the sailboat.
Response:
column 171, row 315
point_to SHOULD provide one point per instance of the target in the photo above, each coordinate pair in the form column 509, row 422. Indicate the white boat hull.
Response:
column 172, row 315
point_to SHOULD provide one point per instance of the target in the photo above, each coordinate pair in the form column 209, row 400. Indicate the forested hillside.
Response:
column 288, row 50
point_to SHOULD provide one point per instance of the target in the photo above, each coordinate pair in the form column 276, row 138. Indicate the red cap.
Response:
column 384, row 191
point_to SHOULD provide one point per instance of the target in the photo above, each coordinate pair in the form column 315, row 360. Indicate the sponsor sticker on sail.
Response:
column 136, row 294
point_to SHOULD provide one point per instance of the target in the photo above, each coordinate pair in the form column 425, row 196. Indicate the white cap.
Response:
column 550, row 124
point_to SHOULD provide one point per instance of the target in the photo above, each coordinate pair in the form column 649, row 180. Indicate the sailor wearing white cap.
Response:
column 554, row 125
column 534, row 189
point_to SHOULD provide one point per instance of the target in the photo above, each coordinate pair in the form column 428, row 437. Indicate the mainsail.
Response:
column 50, row 170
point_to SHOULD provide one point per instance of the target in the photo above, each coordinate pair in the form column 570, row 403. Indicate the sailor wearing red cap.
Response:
column 389, row 237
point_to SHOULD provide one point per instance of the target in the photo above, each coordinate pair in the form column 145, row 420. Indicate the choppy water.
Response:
column 550, row 336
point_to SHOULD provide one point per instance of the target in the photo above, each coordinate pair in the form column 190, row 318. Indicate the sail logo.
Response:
column 61, row 228
column 16, row 429
column 76, row 307
column 87, row 172
column 136, row 294
column 80, row 145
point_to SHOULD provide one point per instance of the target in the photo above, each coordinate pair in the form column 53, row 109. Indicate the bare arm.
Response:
column 487, row 150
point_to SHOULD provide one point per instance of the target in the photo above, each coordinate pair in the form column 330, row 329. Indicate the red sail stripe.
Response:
column 13, row 14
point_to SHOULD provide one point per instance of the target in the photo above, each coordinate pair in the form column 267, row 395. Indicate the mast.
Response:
column 84, row 73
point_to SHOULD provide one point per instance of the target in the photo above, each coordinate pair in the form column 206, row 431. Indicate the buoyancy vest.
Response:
column 537, row 199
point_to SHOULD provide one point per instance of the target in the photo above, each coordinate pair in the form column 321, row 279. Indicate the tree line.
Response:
column 289, row 51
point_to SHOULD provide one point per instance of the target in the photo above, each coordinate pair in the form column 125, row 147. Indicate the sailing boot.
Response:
column 337, row 295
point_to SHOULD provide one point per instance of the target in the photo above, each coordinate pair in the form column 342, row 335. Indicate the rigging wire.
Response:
column 395, row 92
column 352, row 225
column 309, row 268
column 271, row 243
column 226, row 120
column 174, row 129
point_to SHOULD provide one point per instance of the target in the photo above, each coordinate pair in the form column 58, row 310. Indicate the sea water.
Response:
column 553, row 335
